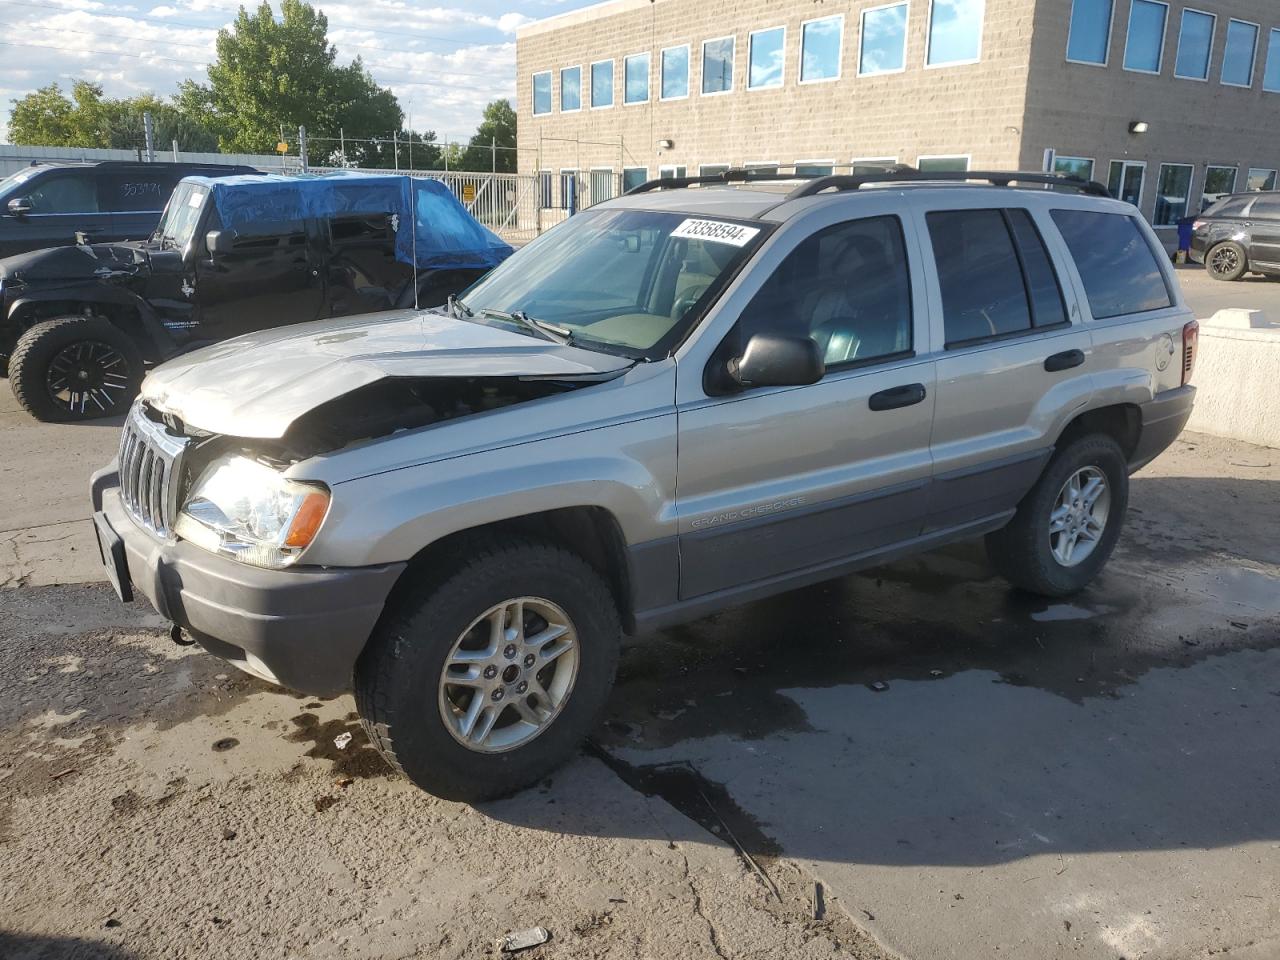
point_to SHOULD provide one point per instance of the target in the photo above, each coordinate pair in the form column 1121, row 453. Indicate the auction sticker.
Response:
column 716, row 231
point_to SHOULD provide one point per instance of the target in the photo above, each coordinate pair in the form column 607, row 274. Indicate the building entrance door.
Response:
column 1125, row 181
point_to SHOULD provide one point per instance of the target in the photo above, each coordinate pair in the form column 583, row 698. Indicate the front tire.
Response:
column 1066, row 528
column 1227, row 261
column 493, row 673
column 74, row 368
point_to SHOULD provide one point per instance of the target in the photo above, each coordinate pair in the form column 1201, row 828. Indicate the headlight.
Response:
column 249, row 511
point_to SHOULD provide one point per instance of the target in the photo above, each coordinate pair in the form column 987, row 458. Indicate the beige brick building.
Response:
column 1166, row 102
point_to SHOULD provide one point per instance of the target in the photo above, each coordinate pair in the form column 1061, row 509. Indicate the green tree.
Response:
column 48, row 117
column 497, row 127
column 273, row 74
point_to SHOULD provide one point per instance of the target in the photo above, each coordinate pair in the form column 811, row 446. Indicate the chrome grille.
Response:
column 150, row 469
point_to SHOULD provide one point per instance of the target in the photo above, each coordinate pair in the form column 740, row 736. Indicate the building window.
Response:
column 632, row 177
column 1144, row 48
column 883, row 44
column 820, row 49
column 601, row 184
column 941, row 164
column 1089, row 37
column 1218, row 183
column 955, row 32
column 814, row 168
column 635, row 78
column 568, row 189
column 1271, row 75
column 1261, row 179
column 868, row 165
column 1172, row 191
column 675, row 73
column 765, row 49
column 673, row 172
column 1242, row 49
column 712, row 169
column 717, row 65
column 602, row 84
column 1195, row 45
column 1125, row 180
column 762, row 167
column 1074, row 167
column 541, row 93
column 570, row 89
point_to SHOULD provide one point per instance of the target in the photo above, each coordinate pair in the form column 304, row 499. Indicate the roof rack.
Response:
column 735, row 175
column 999, row 178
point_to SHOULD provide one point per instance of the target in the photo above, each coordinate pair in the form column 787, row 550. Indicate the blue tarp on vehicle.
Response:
column 446, row 236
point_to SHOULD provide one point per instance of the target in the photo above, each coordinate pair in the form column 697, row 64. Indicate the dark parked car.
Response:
column 1239, row 234
column 232, row 255
column 45, row 205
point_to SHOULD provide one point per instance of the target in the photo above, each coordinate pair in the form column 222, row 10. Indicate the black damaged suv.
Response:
column 1239, row 234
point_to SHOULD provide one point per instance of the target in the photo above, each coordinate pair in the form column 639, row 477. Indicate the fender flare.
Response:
column 162, row 344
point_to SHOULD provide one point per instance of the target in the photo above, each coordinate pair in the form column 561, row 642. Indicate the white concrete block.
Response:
column 1239, row 318
column 1237, row 379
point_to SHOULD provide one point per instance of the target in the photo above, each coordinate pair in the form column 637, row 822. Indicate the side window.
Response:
column 1047, row 306
column 65, row 193
column 848, row 287
column 125, row 192
column 980, row 273
column 1120, row 272
column 1267, row 207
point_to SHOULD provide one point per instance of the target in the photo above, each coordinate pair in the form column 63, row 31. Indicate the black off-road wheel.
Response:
column 1067, row 526
column 1227, row 261
column 73, row 368
column 491, row 671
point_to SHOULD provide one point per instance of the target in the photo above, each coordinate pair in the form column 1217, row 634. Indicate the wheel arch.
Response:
column 127, row 313
column 591, row 532
column 1120, row 421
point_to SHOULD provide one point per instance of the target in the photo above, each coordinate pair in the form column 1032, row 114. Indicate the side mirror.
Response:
column 218, row 243
column 774, row 361
column 20, row 206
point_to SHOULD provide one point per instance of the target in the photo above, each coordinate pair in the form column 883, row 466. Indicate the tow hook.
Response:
column 176, row 635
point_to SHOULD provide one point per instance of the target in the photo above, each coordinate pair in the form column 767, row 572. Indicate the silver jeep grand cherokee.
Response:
column 676, row 401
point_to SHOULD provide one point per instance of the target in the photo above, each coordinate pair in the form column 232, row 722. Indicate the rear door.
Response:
column 134, row 197
column 793, row 481
column 63, row 202
column 1016, row 356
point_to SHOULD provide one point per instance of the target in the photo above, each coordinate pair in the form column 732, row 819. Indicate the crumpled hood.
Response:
column 258, row 384
column 74, row 262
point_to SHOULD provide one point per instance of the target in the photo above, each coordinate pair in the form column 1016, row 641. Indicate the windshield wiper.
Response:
column 549, row 331
column 458, row 309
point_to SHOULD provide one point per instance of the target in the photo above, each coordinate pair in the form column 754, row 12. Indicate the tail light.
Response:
column 1190, row 340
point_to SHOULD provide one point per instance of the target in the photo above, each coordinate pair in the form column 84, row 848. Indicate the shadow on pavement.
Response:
column 21, row 946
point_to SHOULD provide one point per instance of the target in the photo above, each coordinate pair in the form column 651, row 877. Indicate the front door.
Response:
column 63, row 203
column 1016, row 356
column 268, row 279
column 775, row 482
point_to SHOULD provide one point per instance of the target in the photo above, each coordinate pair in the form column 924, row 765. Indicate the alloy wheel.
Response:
column 509, row 675
column 1079, row 516
column 87, row 376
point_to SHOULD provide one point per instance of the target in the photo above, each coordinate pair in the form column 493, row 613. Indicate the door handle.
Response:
column 895, row 397
column 1064, row 360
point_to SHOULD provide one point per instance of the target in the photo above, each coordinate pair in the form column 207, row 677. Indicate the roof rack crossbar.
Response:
column 999, row 178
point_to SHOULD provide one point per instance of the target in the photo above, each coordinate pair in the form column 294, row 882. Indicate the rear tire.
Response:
column 1031, row 555
column 73, row 368
column 416, row 681
column 1227, row 261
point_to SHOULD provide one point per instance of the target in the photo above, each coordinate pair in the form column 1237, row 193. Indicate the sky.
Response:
column 444, row 62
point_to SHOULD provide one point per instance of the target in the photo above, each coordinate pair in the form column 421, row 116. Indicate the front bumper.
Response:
column 1163, row 417
column 302, row 628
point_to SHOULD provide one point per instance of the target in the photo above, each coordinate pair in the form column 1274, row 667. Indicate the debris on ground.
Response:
column 342, row 740
column 523, row 939
column 879, row 686
column 62, row 773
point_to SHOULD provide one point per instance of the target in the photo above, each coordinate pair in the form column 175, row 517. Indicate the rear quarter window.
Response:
column 1116, row 262
column 1267, row 208
column 1228, row 207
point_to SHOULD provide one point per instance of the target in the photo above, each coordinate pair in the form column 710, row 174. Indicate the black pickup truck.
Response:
column 80, row 324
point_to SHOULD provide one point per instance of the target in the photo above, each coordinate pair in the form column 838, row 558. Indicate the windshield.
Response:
column 13, row 179
column 630, row 280
column 182, row 214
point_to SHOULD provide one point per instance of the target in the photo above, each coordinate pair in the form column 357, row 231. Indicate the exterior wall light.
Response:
column 1139, row 126
column 666, row 144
